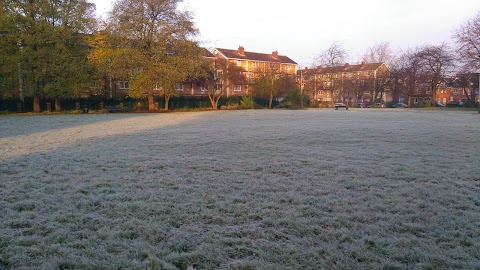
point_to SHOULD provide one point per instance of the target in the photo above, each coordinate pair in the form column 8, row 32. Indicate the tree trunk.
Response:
column 36, row 104
column 151, row 101
column 58, row 105
column 408, row 101
column 213, row 101
column 166, row 102
column 270, row 100
column 332, row 100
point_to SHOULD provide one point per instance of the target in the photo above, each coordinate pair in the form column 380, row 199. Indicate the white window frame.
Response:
column 179, row 87
column 123, row 85
column 237, row 88
column 288, row 67
column 203, row 89
column 238, row 63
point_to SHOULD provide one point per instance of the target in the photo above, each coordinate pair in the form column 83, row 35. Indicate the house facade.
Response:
column 355, row 85
column 453, row 91
column 253, row 64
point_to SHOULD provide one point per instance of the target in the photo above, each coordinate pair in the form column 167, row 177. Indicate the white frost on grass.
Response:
column 317, row 189
column 59, row 137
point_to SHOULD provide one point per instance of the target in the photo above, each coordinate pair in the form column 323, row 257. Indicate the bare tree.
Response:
column 467, row 38
column 436, row 62
column 379, row 53
column 406, row 74
column 335, row 55
column 218, row 77
column 468, row 81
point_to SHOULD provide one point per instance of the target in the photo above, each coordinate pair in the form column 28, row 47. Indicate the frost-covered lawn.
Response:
column 316, row 189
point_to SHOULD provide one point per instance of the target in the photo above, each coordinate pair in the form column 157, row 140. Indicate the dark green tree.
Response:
column 51, row 52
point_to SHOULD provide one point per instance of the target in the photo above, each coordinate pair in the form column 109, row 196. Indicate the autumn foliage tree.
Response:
column 157, row 36
column 271, row 84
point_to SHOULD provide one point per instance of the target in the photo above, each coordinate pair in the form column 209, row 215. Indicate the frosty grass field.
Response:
column 312, row 189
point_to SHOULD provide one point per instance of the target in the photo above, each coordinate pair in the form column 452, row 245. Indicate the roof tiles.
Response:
column 253, row 56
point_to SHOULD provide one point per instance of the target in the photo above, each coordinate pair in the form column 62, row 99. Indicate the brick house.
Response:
column 351, row 84
column 192, row 88
column 253, row 64
column 452, row 91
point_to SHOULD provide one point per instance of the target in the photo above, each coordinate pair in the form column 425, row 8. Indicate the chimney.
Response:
column 363, row 63
column 347, row 65
column 275, row 54
column 241, row 50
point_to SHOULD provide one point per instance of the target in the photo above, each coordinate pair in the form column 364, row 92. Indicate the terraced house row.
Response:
column 365, row 84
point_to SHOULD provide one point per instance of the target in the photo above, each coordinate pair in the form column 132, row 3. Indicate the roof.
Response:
column 207, row 53
column 344, row 68
column 261, row 57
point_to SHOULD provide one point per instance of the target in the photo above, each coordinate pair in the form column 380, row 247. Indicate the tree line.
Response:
column 57, row 48
column 429, row 65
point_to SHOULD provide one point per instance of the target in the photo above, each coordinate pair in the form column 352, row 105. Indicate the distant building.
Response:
column 351, row 84
column 253, row 64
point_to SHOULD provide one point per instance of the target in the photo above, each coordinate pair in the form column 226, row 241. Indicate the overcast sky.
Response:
column 301, row 29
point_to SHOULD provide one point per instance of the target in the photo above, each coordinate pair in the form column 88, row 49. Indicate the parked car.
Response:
column 361, row 105
column 340, row 105
column 400, row 105
column 439, row 105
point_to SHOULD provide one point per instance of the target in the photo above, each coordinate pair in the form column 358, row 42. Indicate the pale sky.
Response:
column 302, row 29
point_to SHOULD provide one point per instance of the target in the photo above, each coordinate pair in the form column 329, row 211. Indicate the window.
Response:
column 179, row 87
column 451, row 99
column 124, row 85
column 321, row 92
column 238, row 63
column 219, row 74
column 250, row 77
column 203, row 89
column 419, row 91
column 93, row 84
column 272, row 66
column 425, row 99
column 362, row 82
column 415, row 100
column 237, row 88
column 255, row 64
column 428, row 90
column 287, row 67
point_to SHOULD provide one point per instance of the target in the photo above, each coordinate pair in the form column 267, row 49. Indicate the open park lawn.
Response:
column 256, row 189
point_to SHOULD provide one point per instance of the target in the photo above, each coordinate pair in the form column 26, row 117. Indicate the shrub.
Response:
column 294, row 99
column 246, row 103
